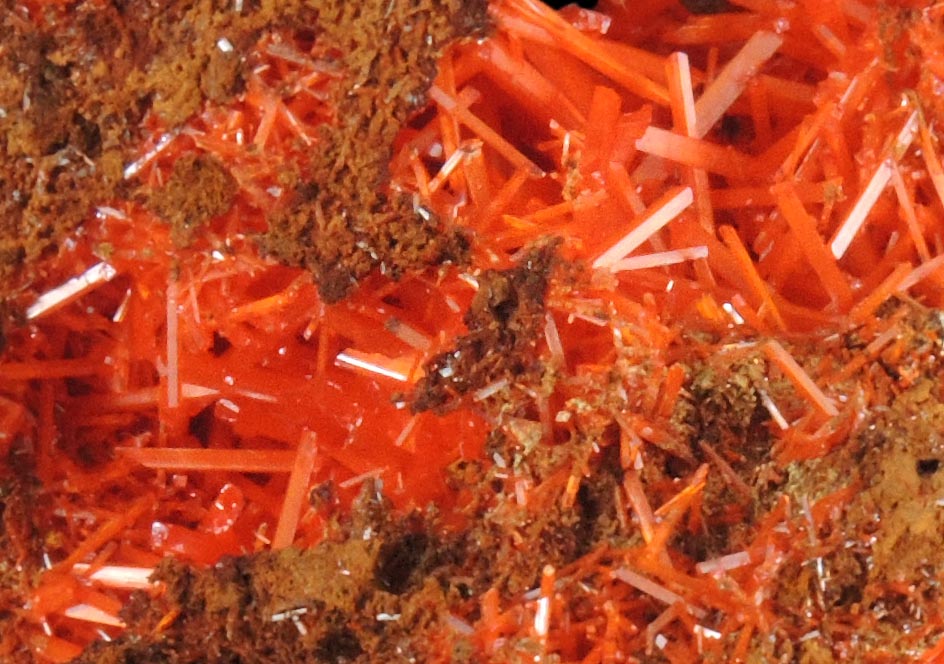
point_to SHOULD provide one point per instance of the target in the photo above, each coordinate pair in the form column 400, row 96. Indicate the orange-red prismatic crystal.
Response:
column 747, row 175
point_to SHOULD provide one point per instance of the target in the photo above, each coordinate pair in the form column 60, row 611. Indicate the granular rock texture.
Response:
column 20, row 553
column 199, row 188
column 504, row 322
column 376, row 592
column 77, row 84
column 347, row 221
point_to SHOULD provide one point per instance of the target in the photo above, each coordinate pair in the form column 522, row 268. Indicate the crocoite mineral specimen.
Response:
column 425, row 331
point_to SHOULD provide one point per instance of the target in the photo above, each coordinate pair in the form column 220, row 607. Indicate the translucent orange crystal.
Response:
column 751, row 175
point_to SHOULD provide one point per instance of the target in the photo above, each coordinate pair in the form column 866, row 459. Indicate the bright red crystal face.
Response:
column 748, row 189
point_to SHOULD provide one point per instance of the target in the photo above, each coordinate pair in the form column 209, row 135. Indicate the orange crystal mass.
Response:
column 756, row 191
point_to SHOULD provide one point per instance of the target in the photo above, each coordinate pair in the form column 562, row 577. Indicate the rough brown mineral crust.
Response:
column 199, row 188
column 504, row 322
column 76, row 86
column 21, row 548
column 347, row 220
column 376, row 592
